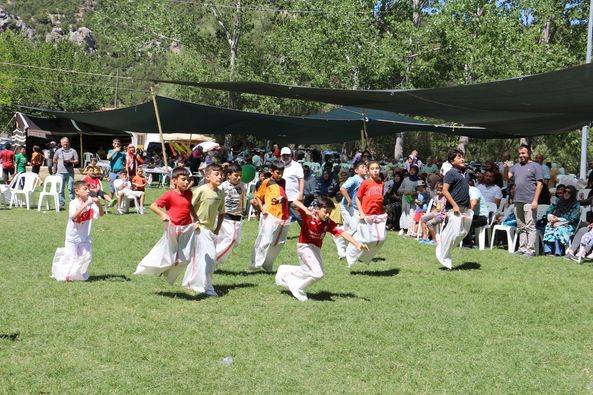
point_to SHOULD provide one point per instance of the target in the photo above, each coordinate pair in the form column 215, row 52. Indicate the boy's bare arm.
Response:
column 157, row 210
column 300, row 205
column 344, row 193
column 219, row 223
column 359, row 205
column 359, row 246
column 260, row 206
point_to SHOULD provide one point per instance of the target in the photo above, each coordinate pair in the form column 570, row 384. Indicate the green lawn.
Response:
column 401, row 325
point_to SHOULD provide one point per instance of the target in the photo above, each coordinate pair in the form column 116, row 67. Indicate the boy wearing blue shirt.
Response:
column 348, row 206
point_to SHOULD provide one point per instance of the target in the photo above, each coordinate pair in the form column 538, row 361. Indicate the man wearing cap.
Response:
column 295, row 181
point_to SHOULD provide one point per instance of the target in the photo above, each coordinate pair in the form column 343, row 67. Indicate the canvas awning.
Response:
column 47, row 128
column 179, row 116
column 525, row 106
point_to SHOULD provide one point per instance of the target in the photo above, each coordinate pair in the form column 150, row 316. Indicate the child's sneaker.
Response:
column 120, row 211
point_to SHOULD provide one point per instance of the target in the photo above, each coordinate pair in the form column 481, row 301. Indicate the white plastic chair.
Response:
column 509, row 230
column 249, row 194
column 52, row 186
column 30, row 182
column 482, row 232
column 86, row 159
column 6, row 191
column 125, row 202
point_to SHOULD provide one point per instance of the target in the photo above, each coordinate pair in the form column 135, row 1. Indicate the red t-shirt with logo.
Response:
column 93, row 182
column 313, row 230
column 178, row 206
column 370, row 194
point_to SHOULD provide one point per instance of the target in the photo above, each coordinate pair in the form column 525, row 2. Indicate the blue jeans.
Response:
column 67, row 177
column 553, row 247
column 112, row 177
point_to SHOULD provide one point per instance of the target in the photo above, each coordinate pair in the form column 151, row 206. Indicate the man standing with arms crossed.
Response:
column 528, row 178
column 295, row 181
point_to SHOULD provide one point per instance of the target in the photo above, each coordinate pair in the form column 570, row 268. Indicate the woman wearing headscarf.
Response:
column 326, row 185
column 563, row 218
column 133, row 160
column 407, row 190
column 392, row 201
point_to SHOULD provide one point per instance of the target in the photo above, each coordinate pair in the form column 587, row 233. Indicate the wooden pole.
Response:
column 158, row 122
column 81, row 152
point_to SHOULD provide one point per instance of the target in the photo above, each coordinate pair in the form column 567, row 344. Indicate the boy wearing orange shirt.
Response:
column 272, row 202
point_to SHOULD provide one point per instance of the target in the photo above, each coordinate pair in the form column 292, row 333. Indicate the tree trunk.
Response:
column 548, row 32
column 416, row 12
column 398, row 149
column 463, row 143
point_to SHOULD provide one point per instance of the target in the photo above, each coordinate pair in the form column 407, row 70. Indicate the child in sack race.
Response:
column 313, row 229
column 177, row 246
column 371, row 227
column 272, row 202
column 234, row 201
column 71, row 262
column 208, row 203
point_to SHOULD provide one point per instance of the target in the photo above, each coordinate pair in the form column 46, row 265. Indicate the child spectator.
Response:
column 313, row 229
column 71, row 262
column 93, row 178
column 208, row 203
column 272, row 202
column 177, row 247
column 7, row 157
column 459, row 215
column 124, row 191
column 420, row 205
column 139, row 182
column 20, row 160
column 37, row 159
column 91, row 166
column 436, row 216
column 133, row 160
column 234, row 198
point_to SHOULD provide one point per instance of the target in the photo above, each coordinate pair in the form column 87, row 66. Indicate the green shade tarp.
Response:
column 185, row 117
column 525, row 106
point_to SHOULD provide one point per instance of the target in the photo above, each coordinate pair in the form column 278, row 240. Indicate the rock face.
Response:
column 82, row 37
column 55, row 35
column 14, row 23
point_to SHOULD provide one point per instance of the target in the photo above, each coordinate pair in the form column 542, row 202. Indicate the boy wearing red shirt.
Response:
column 176, row 248
column 313, row 229
column 369, row 198
column 93, row 178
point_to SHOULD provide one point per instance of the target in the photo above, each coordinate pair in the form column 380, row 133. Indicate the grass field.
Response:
column 499, row 324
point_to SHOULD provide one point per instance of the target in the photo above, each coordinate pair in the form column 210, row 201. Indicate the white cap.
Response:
column 285, row 151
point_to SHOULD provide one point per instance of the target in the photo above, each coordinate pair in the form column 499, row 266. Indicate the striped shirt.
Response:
column 233, row 197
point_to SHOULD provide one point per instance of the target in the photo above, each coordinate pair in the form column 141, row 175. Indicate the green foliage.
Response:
column 336, row 44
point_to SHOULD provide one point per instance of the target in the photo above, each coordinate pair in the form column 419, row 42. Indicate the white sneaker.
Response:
column 401, row 232
column 141, row 211
column 120, row 211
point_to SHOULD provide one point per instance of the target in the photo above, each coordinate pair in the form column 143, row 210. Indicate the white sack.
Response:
column 228, row 239
column 198, row 275
column 171, row 254
column 370, row 231
column 71, row 263
column 349, row 224
column 269, row 242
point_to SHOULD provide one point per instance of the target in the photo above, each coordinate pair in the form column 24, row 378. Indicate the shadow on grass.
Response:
column 10, row 336
column 109, row 277
column 221, row 290
column 292, row 237
column 243, row 273
column 378, row 259
column 465, row 266
column 377, row 273
column 326, row 296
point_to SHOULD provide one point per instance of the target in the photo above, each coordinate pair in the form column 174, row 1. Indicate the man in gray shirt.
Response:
column 528, row 177
column 66, row 158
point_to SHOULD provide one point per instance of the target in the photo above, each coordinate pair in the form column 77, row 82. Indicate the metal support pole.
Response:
column 585, row 130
